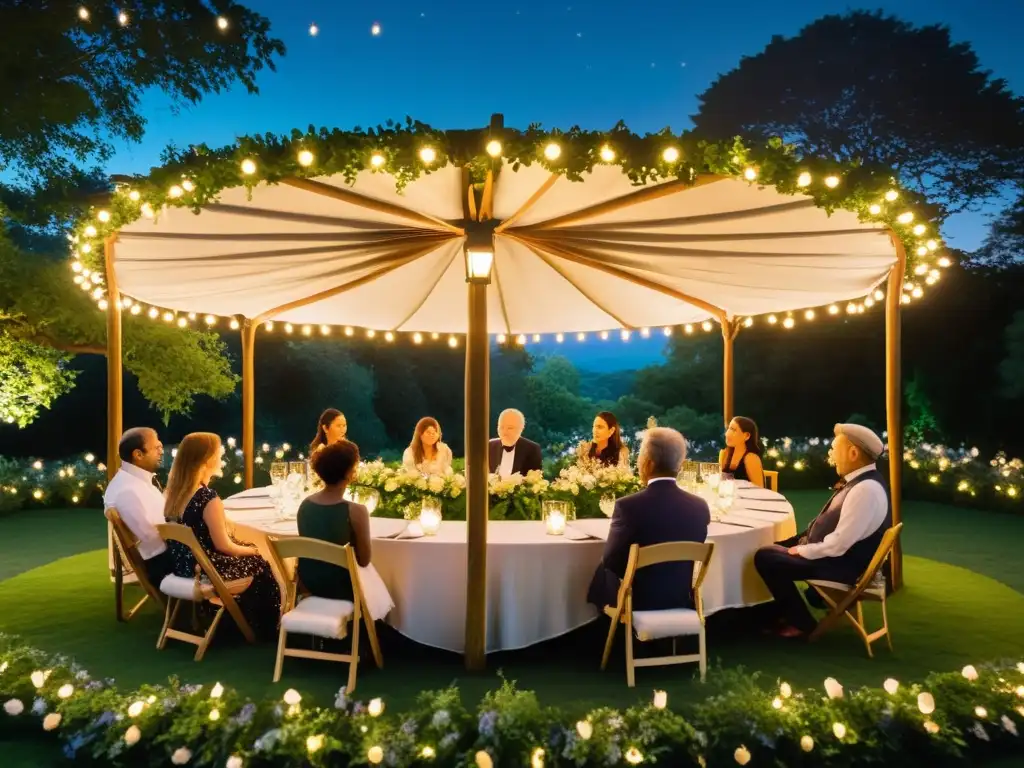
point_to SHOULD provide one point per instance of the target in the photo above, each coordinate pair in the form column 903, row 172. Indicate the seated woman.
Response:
column 606, row 446
column 426, row 453
column 325, row 515
column 742, row 455
column 189, row 500
column 332, row 428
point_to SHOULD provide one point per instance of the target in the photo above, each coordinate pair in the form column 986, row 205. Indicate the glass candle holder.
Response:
column 430, row 516
column 556, row 515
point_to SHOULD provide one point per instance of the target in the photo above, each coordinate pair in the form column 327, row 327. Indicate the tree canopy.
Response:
column 872, row 88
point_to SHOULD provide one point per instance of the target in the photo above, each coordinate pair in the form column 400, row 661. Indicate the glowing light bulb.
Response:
column 803, row 180
column 750, row 174
column 604, row 335
column 748, row 322
column 153, row 313
column 559, row 338
column 607, row 154
column 83, row 13
column 645, row 333
column 772, row 319
column 581, row 337
column 305, row 158
column 905, row 218
column 552, row 151
column 891, row 195
column 670, row 155
column 175, row 191
column 210, row 320
column 667, row 330
column 349, row 331
column 377, row 160
column 919, row 229
column 269, row 325
column 135, row 195
column 371, row 333
column 831, row 182
column 182, row 322
column 417, row 338
column 931, row 245
column 624, row 335
column 453, row 342
column 536, row 338
column 248, row 167
column 234, row 324
column 325, row 330
column 103, row 216
column 809, row 314
column 168, row 317
column 222, row 23
column 389, row 336
column 874, row 209
column 922, row 251
column 136, row 309
column 147, row 211
column 879, row 295
column 688, row 328
column 90, row 231
column 375, row 29
column 706, row 325
column 494, row 148
column 917, row 293
column 307, row 330
column 428, row 155
column 788, row 322
column 944, row 262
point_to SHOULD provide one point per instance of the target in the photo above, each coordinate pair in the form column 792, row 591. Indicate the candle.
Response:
column 556, row 523
column 430, row 520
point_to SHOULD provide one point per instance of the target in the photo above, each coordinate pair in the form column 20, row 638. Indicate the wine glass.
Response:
column 607, row 504
column 278, row 472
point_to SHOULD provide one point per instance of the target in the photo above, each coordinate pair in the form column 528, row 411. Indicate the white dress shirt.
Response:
column 658, row 479
column 863, row 512
column 508, row 459
column 441, row 464
column 141, row 506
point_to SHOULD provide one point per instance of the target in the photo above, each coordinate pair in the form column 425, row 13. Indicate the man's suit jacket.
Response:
column 661, row 512
column 527, row 456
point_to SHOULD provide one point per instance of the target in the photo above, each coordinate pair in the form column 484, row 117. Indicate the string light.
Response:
column 428, row 155
column 210, row 320
column 248, row 167
column 182, row 322
column 552, row 151
column 670, row 155
column 772, row 319
column 417, row 338
column 607, row 154
column 919, row 229
column 136, row 309
column 103, row 216
column 494, row 148
column 931, row 245
column 153, row 313
column 83, row 13
column 831, row 182
column 809, row 314
column 874, row 209
column 788, row 322
column 944, row 262
column 375, row 29
column 389, row 336
column 377, row 160
column 706, row 325
column 688, row 328
column 750, row 174
column 371, row 333
column 905, row 218
column 803, row 180
column 453, row 342
column 234, row 324
column 305, row 158
column 891, row 195
column 175, row 191
column 222, row 23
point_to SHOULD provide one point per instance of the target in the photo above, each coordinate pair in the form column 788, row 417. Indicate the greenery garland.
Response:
column 194, row 177
column 951, row 717
column 931, row 472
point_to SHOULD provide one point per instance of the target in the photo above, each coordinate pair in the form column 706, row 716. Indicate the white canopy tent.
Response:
column 560, row 256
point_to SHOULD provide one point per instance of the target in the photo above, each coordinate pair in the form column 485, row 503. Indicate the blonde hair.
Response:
column 194, row 453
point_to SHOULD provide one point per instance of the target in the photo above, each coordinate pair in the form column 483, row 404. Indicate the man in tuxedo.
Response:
column 660, row 513
column 841, row 541
column 510, row 452
column 135, row 493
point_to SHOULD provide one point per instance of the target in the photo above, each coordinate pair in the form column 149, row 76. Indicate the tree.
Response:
column 73, row 78
column 875, row 89
column 1004, row 245
column 1011, row 369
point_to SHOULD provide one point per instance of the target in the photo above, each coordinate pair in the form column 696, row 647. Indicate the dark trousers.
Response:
column 781, row 571
column 159, row 566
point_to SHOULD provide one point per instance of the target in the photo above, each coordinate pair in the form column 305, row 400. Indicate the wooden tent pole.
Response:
column 729, row 328
column 249, row 400
column 894, row 400
column 115, row 381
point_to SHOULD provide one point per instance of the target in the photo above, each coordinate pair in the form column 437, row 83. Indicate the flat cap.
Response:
column 863, row 438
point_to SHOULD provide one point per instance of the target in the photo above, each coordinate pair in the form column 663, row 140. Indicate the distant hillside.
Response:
column 606, row 386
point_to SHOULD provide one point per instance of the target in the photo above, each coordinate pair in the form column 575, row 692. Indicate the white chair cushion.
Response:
column 673, row 622
column 185, row 589
column 318, row 616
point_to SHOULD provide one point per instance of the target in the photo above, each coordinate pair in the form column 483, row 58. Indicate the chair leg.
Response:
column 885, row 624
column 353, row 665
column 118, row 586
column 371, row 635
column 613, row 627
column 630, row 672
column 863, row 629
column 136, row 607
column 703, row 654
column 282, row 639
column 170, row 614
column 205, row 643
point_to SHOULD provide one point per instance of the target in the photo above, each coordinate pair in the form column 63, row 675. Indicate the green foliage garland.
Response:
column 951, row 718
column 194, row 177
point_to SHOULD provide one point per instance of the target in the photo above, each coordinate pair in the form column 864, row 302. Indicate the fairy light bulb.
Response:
column 305, row 158
column 931, row 245
column 944, row 262
column 559, row 338
column 879, row 295
column 809, row 314
column 874, row 209
column 803, row 180
column 920, row 269
column 494, row 148
column 920, row 229
column 175, row 191
column 307, row 330
column 607, row 154
column 453, row 342
column 153, row 313
column 788, row 322
column 371, row 333
column 645, row 333
column 83, row 13
column 748, row 322
column 349, row 331
column 581, row 337
column 136, row 309
column 772, row 319
column 269, row 325
column 706, row 325
column 222, row 23
column 750, row 174
column 604, row 335
column 670, row 155
column 288, row 328
column 325, row 330
column 688, row 329
column 147, row 211
column 103, row 216
column 624, row 335
column 234, row 324
column 377, row 160
column 552, row 151
column 417, row 338
column 428, row 155
column 103, row 304
column 314, row 30
column 389, row 336
column 922, row 250
column 831, row 182
column 917, row 293
column 667, row 330
column 90, row 231
column 248, row 167
column 168, row 317
column 210, row 320
column 375, row 29
column 135, row 195
column 182, row 322
column 891, row 195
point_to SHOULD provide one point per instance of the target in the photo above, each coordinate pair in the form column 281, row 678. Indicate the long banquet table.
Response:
column 536, row 583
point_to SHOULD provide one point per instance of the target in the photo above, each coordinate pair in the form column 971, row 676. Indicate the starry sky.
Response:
column 451, row 63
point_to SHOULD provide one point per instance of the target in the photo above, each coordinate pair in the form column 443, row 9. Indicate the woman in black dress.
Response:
column 191, row 502
column 606, row 446
column 741, row 458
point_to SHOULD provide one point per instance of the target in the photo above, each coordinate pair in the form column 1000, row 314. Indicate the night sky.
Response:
column 556, row 62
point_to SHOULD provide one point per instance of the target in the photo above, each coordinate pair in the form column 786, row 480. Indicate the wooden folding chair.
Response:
column 841, row 598
column 206, row 586
column 654, row 625
column 128, row 567
column 772, row 479
column 320, row 616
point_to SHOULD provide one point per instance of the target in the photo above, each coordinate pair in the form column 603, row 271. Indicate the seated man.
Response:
column 134, row 493
column 511, row 453
column 661, row 512
column 840, row 542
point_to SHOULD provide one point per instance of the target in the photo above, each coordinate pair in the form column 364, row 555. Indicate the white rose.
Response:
column 51, row 721
column 14, row 707
column 132, row 736
column 391, row 486
column 181, row 756
column 233, row 762
column 435, row 484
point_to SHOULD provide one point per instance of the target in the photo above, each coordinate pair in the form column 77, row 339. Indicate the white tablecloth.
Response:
column 536, row 583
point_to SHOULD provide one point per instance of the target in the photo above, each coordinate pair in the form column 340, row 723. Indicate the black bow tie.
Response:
column 508, row 448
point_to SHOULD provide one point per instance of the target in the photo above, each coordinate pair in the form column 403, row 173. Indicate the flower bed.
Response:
column 932, row 472
column 953, row 717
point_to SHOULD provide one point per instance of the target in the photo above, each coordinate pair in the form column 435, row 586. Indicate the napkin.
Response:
column 575, row 534
column 412, row 531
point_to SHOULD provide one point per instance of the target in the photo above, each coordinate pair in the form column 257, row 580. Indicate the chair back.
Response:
column 881, row 555
column 668, row 552
column 771, row 479
column 127, row 546
column 343, row 556
column 184, row 535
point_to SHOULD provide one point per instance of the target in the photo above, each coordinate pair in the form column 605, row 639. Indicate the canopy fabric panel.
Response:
column 570, row 256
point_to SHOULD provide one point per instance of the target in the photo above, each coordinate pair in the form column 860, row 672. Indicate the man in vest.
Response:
column 840, row 542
